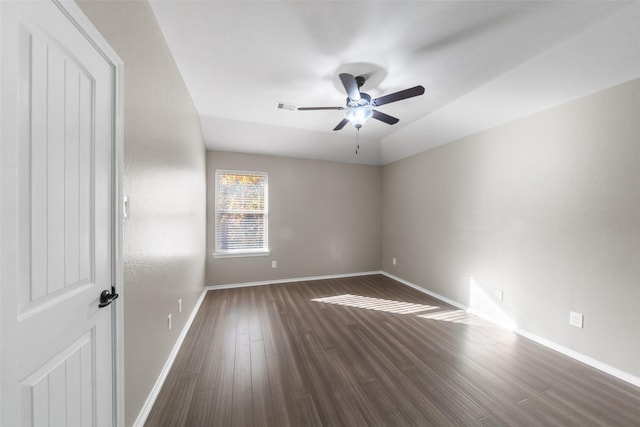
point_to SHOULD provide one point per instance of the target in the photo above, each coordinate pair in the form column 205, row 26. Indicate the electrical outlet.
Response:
column 180, row 306
column 499, row 296
column 169, row 322
column 576, row 319
column 394, row 261
column 274, row 264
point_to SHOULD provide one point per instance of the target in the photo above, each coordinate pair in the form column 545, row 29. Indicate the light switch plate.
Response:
column 125, row 206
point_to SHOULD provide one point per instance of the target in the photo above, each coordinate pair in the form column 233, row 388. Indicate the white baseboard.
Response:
column 428, row 292
column 296, row 279
column 624, row 376
column 148, row 404
column 146, row 408
column 456, row 304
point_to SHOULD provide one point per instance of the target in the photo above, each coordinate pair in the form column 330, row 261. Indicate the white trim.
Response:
column 119, row 248
column 624, row 376
column 430, row 293
column 1, row 86
column 297, row 279
column 146, row 408
column 153, row 394
column 451, row 302
column 252, row 253
column 264, row 251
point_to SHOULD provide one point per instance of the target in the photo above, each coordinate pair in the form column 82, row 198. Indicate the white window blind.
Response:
column 241, row 212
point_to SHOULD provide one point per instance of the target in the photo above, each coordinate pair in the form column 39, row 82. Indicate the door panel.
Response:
column 61, row 173
column 71, row 371
column 56, row 220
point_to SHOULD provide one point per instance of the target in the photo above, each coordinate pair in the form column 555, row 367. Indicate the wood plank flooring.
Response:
column 368, row 351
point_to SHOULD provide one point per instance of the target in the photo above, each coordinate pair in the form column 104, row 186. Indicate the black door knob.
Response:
column 107, row 297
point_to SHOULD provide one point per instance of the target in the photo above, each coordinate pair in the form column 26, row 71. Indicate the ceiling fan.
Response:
column 360, row 106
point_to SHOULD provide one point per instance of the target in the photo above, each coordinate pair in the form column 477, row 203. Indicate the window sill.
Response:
column 265, row 252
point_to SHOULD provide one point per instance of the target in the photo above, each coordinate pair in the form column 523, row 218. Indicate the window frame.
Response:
column 236, row 253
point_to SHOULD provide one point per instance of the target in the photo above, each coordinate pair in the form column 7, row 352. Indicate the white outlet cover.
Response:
column 499, row 295
column 169, row 322
column 274, row 264
column 576, row 319
column 394, row 261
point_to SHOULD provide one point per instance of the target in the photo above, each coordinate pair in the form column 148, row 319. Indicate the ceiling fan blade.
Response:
column 351, row 86
column 398, row 96
column 341, row 124
column 390, row 120
column 318, row 108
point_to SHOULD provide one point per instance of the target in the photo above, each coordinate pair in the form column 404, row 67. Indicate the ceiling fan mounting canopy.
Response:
column 360, row 107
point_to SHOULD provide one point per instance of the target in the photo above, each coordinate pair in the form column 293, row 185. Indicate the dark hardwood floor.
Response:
column 368, row 351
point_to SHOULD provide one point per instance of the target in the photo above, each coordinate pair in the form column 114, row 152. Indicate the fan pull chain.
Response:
column 357, row 140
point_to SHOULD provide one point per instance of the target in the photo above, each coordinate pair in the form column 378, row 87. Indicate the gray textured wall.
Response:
column 546, row 208
column 324, row 218
column 164, row 176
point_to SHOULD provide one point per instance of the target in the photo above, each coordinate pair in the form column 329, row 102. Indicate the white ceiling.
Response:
column 482, row 64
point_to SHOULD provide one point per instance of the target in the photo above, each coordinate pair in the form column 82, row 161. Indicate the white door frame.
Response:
column 0, row 213
column 86, row 27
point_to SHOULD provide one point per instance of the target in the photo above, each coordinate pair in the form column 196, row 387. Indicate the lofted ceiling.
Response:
column 482, row 64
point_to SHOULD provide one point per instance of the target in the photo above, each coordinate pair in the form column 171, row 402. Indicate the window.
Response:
column 242, row 226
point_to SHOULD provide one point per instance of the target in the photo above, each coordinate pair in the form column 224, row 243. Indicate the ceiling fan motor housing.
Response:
column 364, row 100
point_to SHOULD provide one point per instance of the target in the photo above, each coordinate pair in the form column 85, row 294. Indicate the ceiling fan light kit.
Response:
column 358, row 116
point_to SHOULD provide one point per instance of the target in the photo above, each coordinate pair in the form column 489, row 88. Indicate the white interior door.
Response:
column 56, row 221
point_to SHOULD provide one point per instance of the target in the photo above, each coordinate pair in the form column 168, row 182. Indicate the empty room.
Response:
column 319, row 213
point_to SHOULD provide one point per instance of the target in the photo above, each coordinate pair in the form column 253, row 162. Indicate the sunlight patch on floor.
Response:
column 478, row 298
column 453, row 316
column 397, row 307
